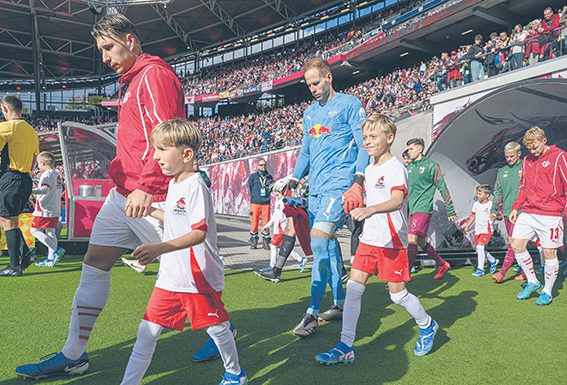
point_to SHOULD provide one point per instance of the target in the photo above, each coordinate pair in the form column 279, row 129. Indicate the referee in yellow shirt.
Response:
column 19, row 146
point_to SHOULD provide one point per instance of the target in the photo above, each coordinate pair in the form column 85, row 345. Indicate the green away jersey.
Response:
column 424, row 176
column 506, row 188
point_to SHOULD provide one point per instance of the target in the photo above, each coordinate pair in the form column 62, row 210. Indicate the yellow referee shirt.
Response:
column 18, row 145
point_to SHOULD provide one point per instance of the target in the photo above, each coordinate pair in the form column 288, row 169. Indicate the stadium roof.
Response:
column 61, row 29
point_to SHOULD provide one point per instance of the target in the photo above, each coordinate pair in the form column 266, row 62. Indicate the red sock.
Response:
column 412, row 255
column 508, row 260
column 431, row 253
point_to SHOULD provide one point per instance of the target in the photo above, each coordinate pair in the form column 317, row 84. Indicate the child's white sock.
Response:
column 148, row 334
column 481, row 256
column 47, row 238
column 227, row 346
column 351, row 311
column 551, row 271
column 413, row 306
column 297, row 257
column 273, row 255
column 89, row 300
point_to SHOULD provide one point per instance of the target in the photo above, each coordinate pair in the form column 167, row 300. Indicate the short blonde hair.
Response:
column 484, row 187
column 46, row 157
column 534, row 134
column 321, row 65
column 513, row 146
column 380, row 122
column 176, row 133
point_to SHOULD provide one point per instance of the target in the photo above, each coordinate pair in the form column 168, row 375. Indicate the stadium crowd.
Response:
column 49, row 123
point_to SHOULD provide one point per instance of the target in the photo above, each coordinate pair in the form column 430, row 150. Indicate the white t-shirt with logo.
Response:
column 389, row 230
column 197, row 269
column 49, row 192
column 482, row 222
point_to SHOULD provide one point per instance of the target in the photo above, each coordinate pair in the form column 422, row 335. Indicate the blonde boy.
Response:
column 48, row 208
column 381, row 252
column 480, row 215
column 191, row 275
column 542, row 199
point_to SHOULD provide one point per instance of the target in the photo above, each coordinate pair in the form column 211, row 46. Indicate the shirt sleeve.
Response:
column 197, row 207
column 44, row 185
column 302, row 162
column 498, row 195
column 400, row 181
column 6, row 132
column 441, row 186
column 162, row 98
column 521, row 198
column 357, row 115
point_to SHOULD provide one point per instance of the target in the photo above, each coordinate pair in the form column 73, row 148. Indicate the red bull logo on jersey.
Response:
column 319, row 130
column 179, row 208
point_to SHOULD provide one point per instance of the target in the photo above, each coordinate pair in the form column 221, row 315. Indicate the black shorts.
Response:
column 15, row 191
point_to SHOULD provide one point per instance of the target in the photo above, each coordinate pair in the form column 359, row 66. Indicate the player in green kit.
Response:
column 424, row 176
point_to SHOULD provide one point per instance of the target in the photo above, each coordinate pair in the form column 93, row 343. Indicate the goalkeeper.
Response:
column 332, row 151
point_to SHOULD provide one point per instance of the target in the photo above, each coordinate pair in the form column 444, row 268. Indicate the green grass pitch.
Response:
column 486, row 335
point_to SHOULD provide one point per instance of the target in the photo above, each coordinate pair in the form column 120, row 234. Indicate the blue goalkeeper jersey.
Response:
column 332, row 144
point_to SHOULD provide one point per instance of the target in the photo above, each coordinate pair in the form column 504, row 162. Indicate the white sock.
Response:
column 273, row 255
column 47, row 238
column 90, row 298
column 551, row 271
column 351, row 311
column 541, row 256
column 297, row 257
column 148, row 334
column 527, row 264
column 413, row 306
column 489, row 256
column 481, row 256
column 224, row 340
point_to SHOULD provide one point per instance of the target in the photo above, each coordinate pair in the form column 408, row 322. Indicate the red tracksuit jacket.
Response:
column 154, row 94
column 543, row 183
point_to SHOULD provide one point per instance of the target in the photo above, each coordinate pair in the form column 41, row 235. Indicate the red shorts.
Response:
column 170, row 309
column 44, row 223
column 389, row 265
column 419, row 224
column 484, row 238
column 277, row 240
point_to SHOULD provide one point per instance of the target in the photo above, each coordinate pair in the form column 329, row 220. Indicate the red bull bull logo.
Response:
column 319, row 130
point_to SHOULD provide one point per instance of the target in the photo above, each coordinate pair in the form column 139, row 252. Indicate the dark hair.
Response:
column 13, row 103
column 486, row 188
column 405, row 154
column 115, row 24
column 417, row 141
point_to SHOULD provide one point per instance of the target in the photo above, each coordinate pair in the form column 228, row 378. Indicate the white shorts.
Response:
column 112, row 227
column 548, row 229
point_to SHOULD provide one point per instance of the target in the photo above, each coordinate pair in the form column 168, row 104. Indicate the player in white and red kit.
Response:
column 383, row 243
column 191, row 275
column 48, row 208
column 542, row 199
column 480, row 215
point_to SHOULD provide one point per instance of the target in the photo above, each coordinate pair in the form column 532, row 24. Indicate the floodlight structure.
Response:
column 124, row 3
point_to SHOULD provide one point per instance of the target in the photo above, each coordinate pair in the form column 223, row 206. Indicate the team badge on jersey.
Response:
column 126, row 97
column 380, row 183
column 421, row 170
column 546, row 163
column 319, row 130
column 179, row 208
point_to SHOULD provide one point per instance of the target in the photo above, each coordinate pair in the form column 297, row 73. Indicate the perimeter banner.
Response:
column 230, row 180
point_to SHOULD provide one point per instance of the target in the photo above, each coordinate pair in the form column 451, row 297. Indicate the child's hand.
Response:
column 147, row 253
column 466, row 230
column 361, row 213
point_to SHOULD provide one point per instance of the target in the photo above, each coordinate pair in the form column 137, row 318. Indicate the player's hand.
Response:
column 147, row 253
column 513, row 216
column 352, row 198
column 361, row 213
column 466, row 230
column 292, row 184
column 492, row 216
column 453, row 218
column 138, row 204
